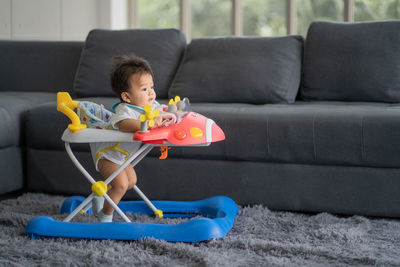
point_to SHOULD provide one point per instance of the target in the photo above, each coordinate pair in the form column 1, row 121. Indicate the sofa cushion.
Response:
column 38, row 66
column 13, row 108
column 240, row 70
column 162, row 48
column 352, row 61
column 325, row 133
column 8, row 129
column 11, row 169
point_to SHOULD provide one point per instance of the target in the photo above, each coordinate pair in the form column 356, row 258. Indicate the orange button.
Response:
column 180, row 134
column 196, row 132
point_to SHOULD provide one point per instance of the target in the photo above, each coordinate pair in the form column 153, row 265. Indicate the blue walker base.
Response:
column 220, row 213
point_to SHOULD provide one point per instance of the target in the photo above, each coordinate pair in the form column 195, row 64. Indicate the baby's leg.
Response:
column 132, row 178
column 118, row 186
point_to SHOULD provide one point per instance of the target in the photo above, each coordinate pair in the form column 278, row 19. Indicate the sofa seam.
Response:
column 268, row 148
column 363, row 155
column 292, row 70
column 178, row 70
column 241, row 160
column 314, row 143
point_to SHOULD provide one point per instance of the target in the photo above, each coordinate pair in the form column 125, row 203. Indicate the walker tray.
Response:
column 220, row 213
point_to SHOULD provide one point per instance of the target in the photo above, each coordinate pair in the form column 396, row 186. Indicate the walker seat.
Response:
column 193, row 130
column 94, row 115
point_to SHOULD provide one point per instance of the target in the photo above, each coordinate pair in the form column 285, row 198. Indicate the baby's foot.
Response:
column 104, row 217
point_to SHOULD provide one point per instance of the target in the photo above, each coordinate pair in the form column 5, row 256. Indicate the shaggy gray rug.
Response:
column 260, row 237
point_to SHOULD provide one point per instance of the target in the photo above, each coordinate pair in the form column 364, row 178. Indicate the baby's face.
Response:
column 142, row 91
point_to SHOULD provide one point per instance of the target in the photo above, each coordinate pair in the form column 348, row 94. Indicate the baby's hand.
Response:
column 157, row 122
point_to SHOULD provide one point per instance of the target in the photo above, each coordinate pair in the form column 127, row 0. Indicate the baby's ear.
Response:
column 125, row 97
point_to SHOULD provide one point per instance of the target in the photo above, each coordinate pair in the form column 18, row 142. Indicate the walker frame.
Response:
column 221, row 211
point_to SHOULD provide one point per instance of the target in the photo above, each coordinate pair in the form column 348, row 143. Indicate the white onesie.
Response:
column 118, row 152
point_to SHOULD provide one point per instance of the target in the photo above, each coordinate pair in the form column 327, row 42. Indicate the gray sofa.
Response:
column 311, row 125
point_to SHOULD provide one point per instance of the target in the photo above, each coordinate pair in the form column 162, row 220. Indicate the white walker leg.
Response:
column 77, row 164
column 90, row 197
column 142, row 196
column 83, row 204
column 117, row 209
column 86, row 204
column 135, row 159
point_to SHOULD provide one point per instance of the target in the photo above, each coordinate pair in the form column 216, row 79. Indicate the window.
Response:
column 211, row 18
column 310, row 10
column 264, row 17
column 158, row 14
column 376, row 10
column 202, row 18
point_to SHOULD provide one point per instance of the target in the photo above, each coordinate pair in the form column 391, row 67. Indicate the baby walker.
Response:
column 218, row 213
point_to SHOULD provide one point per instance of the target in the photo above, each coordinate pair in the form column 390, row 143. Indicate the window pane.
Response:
column 264, row 17
column 376, row 10
column 211, row 18
column 310, row 10
column 158, row 14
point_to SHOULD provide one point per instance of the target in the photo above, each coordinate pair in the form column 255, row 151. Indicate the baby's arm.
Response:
column 127, row 120
column 129, row 125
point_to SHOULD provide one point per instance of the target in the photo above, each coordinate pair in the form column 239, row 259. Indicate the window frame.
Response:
column 237, row 16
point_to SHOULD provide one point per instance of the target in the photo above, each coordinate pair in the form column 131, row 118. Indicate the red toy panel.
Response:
column 194, row 129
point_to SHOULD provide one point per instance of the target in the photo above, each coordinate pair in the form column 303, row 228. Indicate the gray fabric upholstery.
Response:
column 38, row 66
column 11, row 170
column 326, row 133
column 8, row 130
column 352, row 61
column 162, row 48
column 13, row 108
column 296, row 187
column 240, row 69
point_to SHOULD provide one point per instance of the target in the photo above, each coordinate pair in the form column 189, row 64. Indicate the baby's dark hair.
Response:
column 124, row 67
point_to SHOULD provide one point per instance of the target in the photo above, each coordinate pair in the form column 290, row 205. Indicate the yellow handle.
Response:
column 66, row 105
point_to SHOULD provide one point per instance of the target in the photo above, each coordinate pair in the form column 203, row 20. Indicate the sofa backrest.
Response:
column 254, row 70
column 38, row 66
column 163, row 48
column 352, row 62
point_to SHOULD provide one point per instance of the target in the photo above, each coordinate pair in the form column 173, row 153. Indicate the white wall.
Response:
column 59, row 19
column 5, row 19
column 78, row 18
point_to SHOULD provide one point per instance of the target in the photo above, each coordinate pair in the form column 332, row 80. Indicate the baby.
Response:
column 132, row 81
